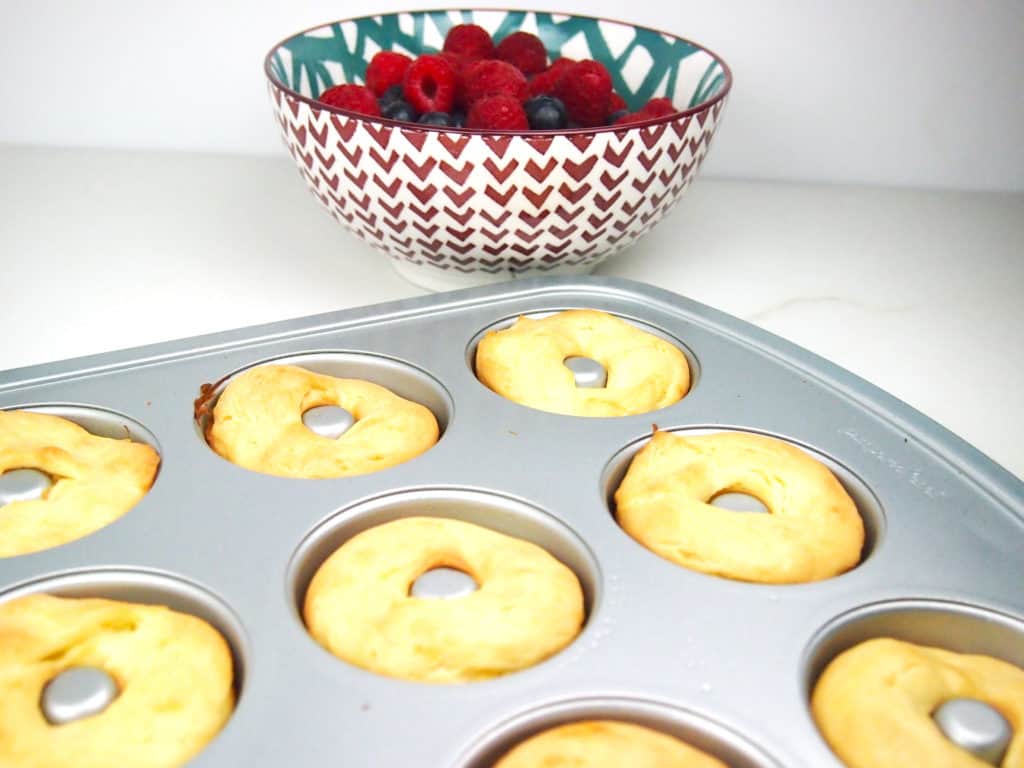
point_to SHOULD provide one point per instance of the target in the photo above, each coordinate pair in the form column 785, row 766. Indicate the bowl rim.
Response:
column 315, row 104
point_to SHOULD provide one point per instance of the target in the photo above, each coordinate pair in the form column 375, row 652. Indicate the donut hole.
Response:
column 402, row 378
column 24, row 484
column 77, row 693
column 738, row 501
column 587, row 372
column 447, row 575
column 952, row 626
column 696, row 730
column 509, row 321
column 133, row 586
column 502, row 514
column 328, row 420
column 867, row 503
column 444, row 582
column 976, row 726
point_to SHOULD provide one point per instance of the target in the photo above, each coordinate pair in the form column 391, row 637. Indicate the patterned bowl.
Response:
column 455, row 207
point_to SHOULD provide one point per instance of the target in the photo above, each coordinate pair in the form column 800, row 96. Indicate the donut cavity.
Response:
column 814, row 530
column 905, row 659
column 719, row 744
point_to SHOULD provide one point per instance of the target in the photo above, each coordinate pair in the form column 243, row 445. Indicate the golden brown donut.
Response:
column 605, row 744
column 813, row 530
column 874, row 704
column 527, row 605
column 525, row 363
column 95, row 480
column 257, row 424
column 173, row 670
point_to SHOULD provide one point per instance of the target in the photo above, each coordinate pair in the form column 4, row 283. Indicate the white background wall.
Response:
column 903, row 92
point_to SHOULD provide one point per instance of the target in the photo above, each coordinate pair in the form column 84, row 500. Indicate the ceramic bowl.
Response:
column 453, row 208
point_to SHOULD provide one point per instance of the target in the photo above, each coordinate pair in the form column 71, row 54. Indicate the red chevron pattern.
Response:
column 494, row 204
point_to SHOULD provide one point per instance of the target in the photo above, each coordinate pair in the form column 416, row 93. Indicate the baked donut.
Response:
column 173, row 671
column 606, row 744
column 95, row 480
column 257, row 424
column 527, row 605
column 813, row 530
column 874, row 704
column 525, row 363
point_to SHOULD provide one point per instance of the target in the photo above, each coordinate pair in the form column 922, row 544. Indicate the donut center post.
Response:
column 330, row 421
column 23, row 485
column 77, row 693
column 587, row 372
column 738, row 502
column 976, row 727
column 443, row 583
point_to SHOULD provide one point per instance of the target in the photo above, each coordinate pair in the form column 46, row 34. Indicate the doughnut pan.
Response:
column 724, row 664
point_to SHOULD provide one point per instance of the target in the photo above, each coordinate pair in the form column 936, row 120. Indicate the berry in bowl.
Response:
column 473, row 146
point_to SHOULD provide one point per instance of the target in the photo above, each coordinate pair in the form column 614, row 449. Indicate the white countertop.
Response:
column 917, row 292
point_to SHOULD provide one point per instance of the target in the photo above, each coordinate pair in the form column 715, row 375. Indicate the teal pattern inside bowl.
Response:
column 643, row 63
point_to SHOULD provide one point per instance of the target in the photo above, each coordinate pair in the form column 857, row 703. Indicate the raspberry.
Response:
column 498, row 113
column 430, row 84
column 469, row 41
column 524, row 51
column 457, row 62
column 631, row 117
column 460, row 65
column 616, row 103
column 386, row 69
column 658, row 107
column 585, row 90
column 355, row 98
column 493, row 78
column 546, row 83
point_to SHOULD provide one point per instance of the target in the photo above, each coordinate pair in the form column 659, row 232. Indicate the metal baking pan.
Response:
column 725, row 664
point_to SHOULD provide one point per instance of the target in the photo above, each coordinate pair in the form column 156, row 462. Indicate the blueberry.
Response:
column 546, row 113
column 390, row 96
column 458, row 118
column 616, row 115
column 399, row 110
column 436, row 118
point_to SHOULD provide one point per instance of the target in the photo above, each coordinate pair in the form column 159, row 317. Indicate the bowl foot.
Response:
column 435, row 279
